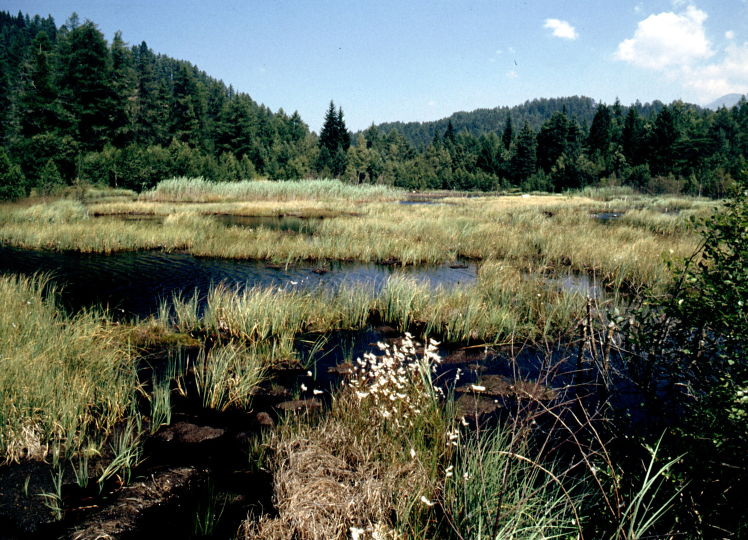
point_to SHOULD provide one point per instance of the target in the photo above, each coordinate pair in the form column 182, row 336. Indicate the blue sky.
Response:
column 385, row 60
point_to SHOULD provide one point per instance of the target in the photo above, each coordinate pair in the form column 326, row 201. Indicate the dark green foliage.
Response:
column 50, row 178
column 123, row 92
column 483, row 121
column 39, row 110
column 87, row 106
column 84, row 85
column 633, row 138
column 523, row 161
column 688, row 356
column 507, row 135
column 334, row 141
column 12, row 182
column 600, row 131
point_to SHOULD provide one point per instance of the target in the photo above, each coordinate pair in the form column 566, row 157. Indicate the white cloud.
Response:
column 512, row 74
column 561, row 29
column 729, row 75
column 667, row 39
column 676, row 45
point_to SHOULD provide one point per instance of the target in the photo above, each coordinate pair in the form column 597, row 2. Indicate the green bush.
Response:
column 12, row 181
column 689, row 357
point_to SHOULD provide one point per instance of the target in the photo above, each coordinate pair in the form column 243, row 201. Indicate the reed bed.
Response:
column 65, row 383
column 201, row 190
column 539, row 232
column 504, row 303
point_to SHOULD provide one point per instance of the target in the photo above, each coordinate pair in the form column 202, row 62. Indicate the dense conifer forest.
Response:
column 74, row 107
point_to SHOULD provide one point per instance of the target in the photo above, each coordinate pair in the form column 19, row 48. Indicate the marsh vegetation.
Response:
column 507, row 423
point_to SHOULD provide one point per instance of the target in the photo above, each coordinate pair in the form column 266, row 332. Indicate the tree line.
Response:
column 671, row 148
column 73, row 106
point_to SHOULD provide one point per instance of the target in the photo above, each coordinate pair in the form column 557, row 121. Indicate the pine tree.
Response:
column 123, row 90
column 449, row 134
column 632, row 138
column 328, row 136
column 151, row 104
column 552, row 139
column 39, row 110
column 187, row 107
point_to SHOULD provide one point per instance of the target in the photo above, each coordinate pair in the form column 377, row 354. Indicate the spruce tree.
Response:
column 600, row 132
column 507, row 135
column 39, row 110
column 334, row 141
column 123, row 91
column 523, row 160
column 85, row 83
column 449, row 134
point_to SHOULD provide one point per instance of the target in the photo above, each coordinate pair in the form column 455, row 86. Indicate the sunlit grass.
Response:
column 200, row 190
column 539, row 232
column 63, row 381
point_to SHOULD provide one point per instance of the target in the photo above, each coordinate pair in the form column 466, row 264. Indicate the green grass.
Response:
column 499, row 488
column 65, row 382
column 547, row 233
column 502, row 304
column 228, row 376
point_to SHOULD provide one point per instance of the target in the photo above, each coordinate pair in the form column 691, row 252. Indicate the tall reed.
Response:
column 200, row 190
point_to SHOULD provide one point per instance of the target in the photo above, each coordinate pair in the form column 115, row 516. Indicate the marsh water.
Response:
column 135, row 283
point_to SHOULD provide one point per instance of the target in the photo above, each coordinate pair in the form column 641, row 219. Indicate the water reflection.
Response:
column 134, row 283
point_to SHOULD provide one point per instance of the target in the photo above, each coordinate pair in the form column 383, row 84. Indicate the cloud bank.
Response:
column 676, row 44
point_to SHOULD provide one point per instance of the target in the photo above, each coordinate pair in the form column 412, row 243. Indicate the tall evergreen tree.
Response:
column 552, row 139
column 632, row 137
column 123, row 91
column 665, row 133
column 600, row 135
column 188, row 107
column 85, row 82
column 524, row 159
column 152, row 97
column 334, row 141
column 39, row 110
column 449, row 134
column 507, row 135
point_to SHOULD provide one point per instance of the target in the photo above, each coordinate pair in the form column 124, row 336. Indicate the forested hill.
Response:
column 74, row 107
column 484, row 121
column 69, row 101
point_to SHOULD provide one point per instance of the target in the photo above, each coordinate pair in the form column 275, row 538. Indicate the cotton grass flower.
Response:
column 397, row 382
column 427, row 502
